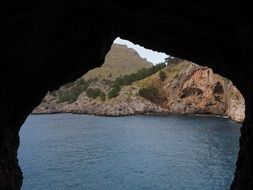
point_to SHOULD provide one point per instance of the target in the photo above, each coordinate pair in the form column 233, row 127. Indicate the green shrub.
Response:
column 129, row 79
column 73, row 90
column 114, row 92
column 162, row 76
column 139, row 75
column 94, row 92
column 107, row 82
column 67, row 96
column 151, row 93
column 102, row 96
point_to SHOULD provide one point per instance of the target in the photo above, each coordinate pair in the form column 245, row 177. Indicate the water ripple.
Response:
column 65, row 151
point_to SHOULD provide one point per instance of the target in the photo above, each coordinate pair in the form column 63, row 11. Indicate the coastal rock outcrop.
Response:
column 192, row 89
column 127, row 103
column 186, row 89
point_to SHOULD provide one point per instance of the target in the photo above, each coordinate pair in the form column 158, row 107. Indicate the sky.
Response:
column 152, row 56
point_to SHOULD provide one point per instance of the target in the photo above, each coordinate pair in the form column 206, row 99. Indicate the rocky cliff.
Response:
column 191, row 89
column 120, row 61
column 181, row 88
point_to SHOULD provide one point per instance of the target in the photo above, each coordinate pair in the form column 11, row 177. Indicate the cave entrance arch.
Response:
column 191, row 87
column 42, row 47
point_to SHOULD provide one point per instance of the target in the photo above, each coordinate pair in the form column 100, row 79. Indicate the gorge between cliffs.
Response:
column 127, row 84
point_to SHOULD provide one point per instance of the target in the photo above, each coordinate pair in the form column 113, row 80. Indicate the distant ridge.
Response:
column 120, row 61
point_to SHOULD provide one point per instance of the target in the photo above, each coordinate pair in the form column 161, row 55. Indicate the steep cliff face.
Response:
column 191, row 89
column 186, row 89
column 119, row 61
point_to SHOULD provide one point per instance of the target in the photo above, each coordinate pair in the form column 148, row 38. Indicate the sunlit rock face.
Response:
column 186, row 88
column 191, row 89
column 44, row 44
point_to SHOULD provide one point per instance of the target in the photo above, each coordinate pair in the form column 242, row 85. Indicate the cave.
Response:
column 218, row 89
column 45, row 44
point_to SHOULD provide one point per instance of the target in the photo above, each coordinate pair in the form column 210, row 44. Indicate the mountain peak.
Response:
column 119, row 61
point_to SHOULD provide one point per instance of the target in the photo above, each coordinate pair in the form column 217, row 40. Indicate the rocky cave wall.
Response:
column 44, row 44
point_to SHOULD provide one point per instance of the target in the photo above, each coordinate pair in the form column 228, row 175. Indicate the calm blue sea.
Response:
column 143, row 152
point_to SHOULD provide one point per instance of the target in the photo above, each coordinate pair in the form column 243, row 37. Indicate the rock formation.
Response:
column 187, row 89
column 191, row 89
column 44, row 44
column 119, row 61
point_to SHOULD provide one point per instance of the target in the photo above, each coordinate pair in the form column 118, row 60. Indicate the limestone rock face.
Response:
column 236, row 104
column 197, row 90
column 187, row 89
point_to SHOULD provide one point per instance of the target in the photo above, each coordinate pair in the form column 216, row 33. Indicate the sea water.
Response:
column 142, row 152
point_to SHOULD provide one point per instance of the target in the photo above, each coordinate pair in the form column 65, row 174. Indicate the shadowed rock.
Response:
column 44, row 44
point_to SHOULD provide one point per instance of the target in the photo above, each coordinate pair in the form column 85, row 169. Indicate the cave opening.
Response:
column 179, row 87
column 44, row 44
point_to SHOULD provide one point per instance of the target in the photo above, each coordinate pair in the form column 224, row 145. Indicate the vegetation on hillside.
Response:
column 119, row 61
column 162, row 76
column 95, row 92
column 151, row 93
column 71, row 91
column 114, row 92
column 129, row 79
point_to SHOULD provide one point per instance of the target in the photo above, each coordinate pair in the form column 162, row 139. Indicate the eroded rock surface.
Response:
column 197, row 90
column 187, row 89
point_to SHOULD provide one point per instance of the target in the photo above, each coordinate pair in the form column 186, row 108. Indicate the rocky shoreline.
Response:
column 167, row 114
column 188, row 90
